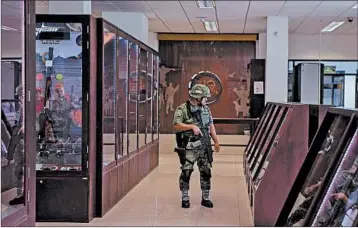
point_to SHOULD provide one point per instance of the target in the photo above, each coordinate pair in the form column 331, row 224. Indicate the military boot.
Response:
column 185, row 203
column 206, row 203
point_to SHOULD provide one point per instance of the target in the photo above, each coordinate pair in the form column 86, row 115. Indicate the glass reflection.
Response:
column 108, row 96
column 122, row 97
column 13, row 151
column 142, row 91
column 133, row 98
column 59, row 97
column 149, row 112
column 156, row 97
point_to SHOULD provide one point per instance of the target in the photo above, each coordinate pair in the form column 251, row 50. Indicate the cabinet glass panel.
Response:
column 149, row 111
column 109, row 95
column 318, row 172
column 142, row 104
column 122, row 99
column 156, row 96
column 339, row 205
column 59, row 97
column 133, row 97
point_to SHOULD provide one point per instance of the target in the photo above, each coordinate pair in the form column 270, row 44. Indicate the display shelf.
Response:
column 327, row 146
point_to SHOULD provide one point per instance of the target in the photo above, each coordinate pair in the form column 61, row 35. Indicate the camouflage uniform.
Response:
column 194, row 153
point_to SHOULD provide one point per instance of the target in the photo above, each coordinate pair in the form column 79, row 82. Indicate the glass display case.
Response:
column 338, row 206
column 127, row 105
column 327, row 151
column 59, row 96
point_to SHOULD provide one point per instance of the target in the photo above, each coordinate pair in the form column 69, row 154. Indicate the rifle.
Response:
column 45, row 116
column 339, row 205
column 205, row 138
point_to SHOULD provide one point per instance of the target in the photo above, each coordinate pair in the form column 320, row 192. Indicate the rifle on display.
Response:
column 45, row 117
column 335, row 212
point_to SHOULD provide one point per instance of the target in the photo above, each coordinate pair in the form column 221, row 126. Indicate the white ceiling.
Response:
column 305, row 17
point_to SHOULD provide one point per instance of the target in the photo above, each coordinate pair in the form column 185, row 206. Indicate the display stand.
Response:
column 279, row 145
column 326, row 151
column 127, row 110
column 66, row 84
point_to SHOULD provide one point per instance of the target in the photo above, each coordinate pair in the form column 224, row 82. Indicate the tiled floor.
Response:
column 156, row 200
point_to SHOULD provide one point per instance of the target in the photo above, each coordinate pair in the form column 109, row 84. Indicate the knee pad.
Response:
column 185, row 175
column 206, row 173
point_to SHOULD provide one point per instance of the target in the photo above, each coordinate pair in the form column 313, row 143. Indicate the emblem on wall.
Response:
column 141, row 93
column 211, row 80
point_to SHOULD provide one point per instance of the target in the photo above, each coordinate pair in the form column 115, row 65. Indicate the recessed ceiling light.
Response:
column 332, row 26
column 355, row 6
column 3, row 27
column 205, row 4
column 210, row 26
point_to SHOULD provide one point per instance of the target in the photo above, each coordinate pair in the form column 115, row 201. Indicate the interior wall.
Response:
column 153, row 40
column 227, row 60
column 305, row 46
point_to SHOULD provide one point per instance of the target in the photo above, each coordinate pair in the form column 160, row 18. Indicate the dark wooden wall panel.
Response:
column 106, row 192
column 113, row 194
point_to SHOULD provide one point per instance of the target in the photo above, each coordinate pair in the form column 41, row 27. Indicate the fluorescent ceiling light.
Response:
column 205, row 4
column 355, row 6
column 332, row 26
column 210, row 26
column 3, row 27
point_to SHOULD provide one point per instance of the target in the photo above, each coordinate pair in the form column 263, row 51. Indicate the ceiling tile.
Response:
column 132, row 6
column 156, row 25
column 231, row 9
column 192, row 10
column 294, row 22
column 332, row 8
column 265, row 8
column 13, row 4
column 298, row 8
column 313, row 25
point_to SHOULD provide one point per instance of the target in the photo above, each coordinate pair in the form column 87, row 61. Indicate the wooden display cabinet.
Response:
column 325, row 152
column 133, row 124
column 279, row 145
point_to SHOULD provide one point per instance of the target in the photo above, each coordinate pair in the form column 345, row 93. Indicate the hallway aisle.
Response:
column 156, row 201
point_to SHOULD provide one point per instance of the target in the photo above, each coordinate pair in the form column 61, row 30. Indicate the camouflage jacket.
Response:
column 181, row 115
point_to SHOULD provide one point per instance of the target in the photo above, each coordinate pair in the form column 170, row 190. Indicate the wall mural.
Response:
column 222, row 66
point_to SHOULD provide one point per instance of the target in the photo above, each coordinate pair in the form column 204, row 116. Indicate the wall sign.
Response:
column 141, row 93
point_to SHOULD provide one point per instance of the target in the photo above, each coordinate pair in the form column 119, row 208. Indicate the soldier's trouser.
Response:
column 204, row 167
column 19, row 166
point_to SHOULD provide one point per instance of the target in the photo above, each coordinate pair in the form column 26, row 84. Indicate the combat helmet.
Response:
column 199, row 91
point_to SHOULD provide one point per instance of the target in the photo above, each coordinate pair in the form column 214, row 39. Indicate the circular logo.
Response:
column 211, row 80
column 138, row 87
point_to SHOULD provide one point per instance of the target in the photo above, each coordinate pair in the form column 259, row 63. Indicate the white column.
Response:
column 350, row 92
column 135, row 24
column 276, row 59
column 69, row 7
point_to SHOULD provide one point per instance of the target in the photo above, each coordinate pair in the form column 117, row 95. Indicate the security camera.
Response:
column 350, row 19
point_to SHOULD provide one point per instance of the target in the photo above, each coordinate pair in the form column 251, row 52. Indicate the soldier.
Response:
column 193, row 123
